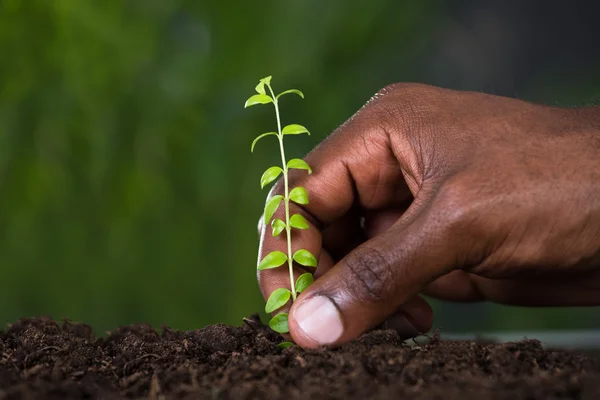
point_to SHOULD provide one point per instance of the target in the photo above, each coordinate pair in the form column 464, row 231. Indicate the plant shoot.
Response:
column 280, row 297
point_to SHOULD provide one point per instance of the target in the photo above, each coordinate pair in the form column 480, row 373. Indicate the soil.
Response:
column 40, row 358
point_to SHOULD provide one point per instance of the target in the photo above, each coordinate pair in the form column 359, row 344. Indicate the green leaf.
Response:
column 260, row 88
column 273, row 260
column 279, row 323
column 260, row 137
column 269, row 176
column 304, row 281
column 258, row 99
column 299, row 222
column 305, row 257
column 299, row 195
column 284, row 345
column 266, row 80
column 278, row 226
column 271, row 207
column 294, row 129
column 277, row 299
column 299, row 93
column 297, row 163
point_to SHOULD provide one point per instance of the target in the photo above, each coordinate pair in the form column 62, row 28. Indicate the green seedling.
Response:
column 280, row 297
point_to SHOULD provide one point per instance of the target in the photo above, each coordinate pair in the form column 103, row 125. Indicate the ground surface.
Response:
column 42, row 359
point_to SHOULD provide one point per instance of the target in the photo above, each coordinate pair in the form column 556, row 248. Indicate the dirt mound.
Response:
column 40, row 358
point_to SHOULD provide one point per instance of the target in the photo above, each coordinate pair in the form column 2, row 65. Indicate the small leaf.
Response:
column 271, row 207
column 273, row 260
column 266, row 80
column 305, row 257
column 260, row 137
column 284, row 345
column 277, row 299
column 278, row 226
column 258, row 99
column 269, row 176
column 304, row 281
column 299, row 195
column 279, row 323
column 260, row 88
column 294, row 129
column 299, row 93
column 297, row 163
column 299, row 222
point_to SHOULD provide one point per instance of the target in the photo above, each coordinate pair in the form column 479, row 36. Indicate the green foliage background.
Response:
column 127, row 189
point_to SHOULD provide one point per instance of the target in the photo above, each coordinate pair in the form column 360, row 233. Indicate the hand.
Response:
column 462, row 196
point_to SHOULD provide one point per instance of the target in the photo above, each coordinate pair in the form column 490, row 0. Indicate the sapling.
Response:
column 280, row 297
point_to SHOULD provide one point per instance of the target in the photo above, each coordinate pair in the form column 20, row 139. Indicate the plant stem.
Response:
column 286, row 198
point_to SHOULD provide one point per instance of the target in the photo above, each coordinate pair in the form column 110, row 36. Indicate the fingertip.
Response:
column 414, row 318
column 316, row 321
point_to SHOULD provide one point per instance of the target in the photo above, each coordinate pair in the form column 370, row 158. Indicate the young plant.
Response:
column 280, row 297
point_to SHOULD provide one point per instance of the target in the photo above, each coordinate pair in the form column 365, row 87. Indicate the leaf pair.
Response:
column 298, row 195
column 260, row 88
column 293, row 129
column 277, row 258
column 273, row 172
column 281, row 296
column 296, row 221
column 278, row 299
column 263, row 98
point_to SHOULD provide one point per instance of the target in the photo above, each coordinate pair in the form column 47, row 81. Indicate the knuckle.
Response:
column 370, row 275
column 397, row 107
column 404, row 107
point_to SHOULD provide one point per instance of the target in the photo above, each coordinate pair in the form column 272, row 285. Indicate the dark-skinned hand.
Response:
column 457, row 195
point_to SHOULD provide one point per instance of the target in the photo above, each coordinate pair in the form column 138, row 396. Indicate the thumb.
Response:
column 372, row 282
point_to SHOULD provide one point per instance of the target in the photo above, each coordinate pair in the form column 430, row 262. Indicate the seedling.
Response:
column 280, row 297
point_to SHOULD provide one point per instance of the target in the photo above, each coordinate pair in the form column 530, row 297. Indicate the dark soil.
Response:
column 40, row 358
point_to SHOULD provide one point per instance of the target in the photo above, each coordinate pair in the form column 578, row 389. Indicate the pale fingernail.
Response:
column 320, row 320
column 400, row 324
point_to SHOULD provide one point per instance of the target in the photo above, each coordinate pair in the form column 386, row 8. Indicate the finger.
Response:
column 373, row 281
column 455, row 286
column 414, row 318
column 344, row 235
column 568, row 290
column 377, row 222
column 356, row 227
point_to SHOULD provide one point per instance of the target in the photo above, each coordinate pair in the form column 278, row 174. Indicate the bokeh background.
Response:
column 127, row 189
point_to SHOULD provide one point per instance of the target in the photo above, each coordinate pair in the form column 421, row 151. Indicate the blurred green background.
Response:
column 127, row 189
